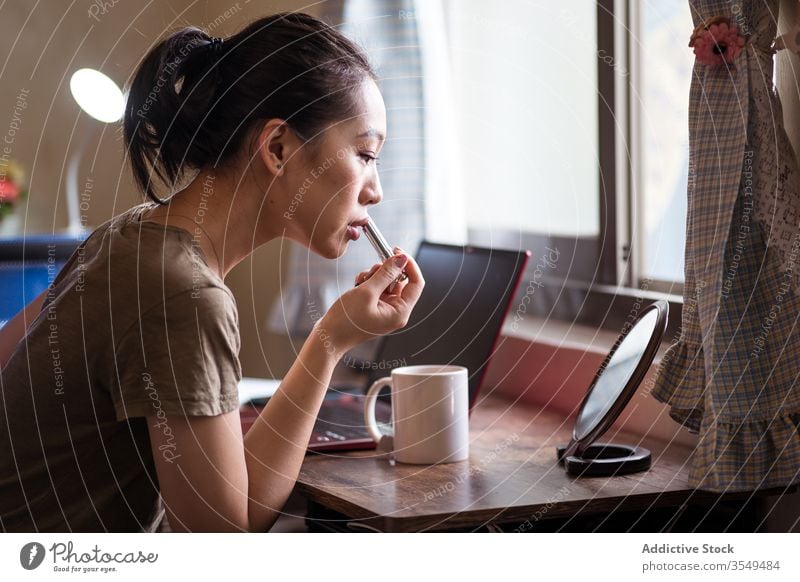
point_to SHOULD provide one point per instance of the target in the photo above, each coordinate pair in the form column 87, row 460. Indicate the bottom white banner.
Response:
column 335, row 557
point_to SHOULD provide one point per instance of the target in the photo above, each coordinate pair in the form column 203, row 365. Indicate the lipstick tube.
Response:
column 380, row 245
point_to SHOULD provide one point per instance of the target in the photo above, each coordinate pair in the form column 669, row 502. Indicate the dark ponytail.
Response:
column 192, row 100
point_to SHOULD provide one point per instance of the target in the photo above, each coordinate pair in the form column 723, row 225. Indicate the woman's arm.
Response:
column 15, row 329
column 212, row 479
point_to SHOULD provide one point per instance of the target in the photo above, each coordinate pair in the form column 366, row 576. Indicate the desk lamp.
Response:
column 101, row 99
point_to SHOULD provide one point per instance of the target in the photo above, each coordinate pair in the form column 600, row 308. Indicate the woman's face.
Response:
column 332, row 183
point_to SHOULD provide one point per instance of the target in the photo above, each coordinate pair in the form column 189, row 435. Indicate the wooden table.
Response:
column 512, row 477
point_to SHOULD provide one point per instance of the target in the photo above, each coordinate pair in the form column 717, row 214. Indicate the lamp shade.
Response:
column 97, row 95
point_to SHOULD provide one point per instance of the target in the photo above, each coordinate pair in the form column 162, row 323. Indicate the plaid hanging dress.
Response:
column 733, row 375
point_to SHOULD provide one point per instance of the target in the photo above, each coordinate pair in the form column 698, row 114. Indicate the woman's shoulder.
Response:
column 141, row 262
column 158, row 253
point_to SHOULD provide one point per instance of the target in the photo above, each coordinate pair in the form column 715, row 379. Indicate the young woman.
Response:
column 119, row 383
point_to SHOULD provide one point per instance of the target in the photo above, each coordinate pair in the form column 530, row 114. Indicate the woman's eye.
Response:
column 369, row 158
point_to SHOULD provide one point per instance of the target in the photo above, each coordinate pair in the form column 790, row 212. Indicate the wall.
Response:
column 543, row 366
column 42, row 45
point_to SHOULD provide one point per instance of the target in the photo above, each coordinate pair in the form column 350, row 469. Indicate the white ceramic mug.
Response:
column 430, row 413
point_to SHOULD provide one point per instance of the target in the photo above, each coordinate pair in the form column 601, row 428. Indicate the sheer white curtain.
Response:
column 405, row 42
column 444, row 196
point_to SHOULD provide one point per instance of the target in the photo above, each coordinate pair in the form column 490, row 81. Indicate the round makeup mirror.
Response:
column 612, row 388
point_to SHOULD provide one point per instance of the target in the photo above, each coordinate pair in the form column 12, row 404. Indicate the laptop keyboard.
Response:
column 342, row 419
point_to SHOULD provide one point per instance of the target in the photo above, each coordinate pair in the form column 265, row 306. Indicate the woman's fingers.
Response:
column 379, row 304
column 384, row 276
column 364, row 275
column 412, row 288
column 395, row 288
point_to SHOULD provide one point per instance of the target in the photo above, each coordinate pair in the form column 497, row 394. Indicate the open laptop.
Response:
column 457, row 320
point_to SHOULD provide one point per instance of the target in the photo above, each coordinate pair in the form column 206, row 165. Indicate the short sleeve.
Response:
column 180, row 357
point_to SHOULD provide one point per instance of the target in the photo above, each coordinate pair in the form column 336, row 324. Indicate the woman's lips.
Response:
column 353, row 232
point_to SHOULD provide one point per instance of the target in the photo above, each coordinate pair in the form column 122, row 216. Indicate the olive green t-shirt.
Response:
column 135, row 324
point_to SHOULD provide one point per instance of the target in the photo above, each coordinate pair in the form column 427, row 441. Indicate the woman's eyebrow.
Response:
column 371, row 132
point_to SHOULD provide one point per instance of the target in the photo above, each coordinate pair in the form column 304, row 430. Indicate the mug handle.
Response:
column 369, row 407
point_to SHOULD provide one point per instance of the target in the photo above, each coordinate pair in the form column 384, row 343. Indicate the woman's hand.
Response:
column 364, row 275
column 376, row 306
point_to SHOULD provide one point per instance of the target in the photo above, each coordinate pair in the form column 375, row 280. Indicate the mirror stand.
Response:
column 604, row 460
column 612, row 388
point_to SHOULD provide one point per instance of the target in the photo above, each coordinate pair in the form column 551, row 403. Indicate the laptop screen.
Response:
column 458, row 318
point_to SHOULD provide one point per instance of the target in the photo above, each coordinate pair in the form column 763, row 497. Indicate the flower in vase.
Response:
column 12, row 189
column 9, row 192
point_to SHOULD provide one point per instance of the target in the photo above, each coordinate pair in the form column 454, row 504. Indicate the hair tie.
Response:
column 216, row 45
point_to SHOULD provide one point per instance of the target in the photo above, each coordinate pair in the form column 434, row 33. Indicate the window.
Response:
column 526, row 82
column 665, row 75
column 573, row 124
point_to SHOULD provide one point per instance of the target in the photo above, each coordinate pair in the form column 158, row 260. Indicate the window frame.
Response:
column 599, row 282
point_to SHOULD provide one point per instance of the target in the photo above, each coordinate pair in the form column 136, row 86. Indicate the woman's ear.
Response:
column 275, row 145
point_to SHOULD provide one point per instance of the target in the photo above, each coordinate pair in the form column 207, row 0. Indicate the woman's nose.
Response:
column 372, row 194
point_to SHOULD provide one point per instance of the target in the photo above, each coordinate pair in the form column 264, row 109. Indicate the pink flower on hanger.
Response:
column 717, row 42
